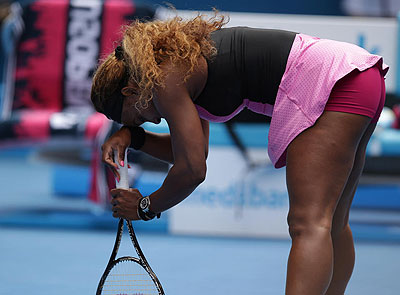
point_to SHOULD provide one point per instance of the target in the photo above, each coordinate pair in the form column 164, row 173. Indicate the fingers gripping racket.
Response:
column 128, row 275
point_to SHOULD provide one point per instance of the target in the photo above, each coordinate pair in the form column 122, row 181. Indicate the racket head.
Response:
column 127, row 276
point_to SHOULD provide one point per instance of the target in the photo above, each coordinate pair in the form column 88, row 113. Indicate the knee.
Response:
column 307, row 225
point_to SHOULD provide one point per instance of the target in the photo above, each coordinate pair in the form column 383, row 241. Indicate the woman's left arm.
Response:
column 189, row 140
column 189, row 137
column 177, row 185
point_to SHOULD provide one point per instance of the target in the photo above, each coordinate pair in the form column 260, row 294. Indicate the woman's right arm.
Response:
column 157, row 145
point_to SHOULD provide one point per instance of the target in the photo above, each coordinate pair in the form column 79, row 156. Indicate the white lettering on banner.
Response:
column 78, row 92
column 235, row 200
column 233, row 196
column 82, row 50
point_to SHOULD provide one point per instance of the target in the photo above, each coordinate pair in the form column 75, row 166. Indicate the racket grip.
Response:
column 123, row 171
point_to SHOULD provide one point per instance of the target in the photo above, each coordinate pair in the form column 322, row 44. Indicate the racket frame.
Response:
column 141, row 260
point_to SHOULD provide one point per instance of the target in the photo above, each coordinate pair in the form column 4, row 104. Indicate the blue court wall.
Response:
column 331, row 7
column 317, row 7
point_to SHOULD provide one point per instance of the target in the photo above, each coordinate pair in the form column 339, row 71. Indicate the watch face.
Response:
column 144, row 203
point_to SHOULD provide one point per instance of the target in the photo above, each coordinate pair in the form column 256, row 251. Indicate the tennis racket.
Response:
column 128, row 275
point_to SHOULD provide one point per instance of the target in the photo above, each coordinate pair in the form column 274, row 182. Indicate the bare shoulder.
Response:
column 175, row 79
column 197, row 81
column 175, row 100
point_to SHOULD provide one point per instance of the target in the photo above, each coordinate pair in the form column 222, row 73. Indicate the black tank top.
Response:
column 247, row 68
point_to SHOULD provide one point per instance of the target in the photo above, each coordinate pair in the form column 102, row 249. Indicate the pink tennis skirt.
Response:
column 313, row 68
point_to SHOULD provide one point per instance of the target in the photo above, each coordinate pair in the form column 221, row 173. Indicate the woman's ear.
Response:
column 128, row 91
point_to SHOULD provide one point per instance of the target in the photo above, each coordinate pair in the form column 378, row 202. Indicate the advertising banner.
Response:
column 60, row 48
column 237, row 199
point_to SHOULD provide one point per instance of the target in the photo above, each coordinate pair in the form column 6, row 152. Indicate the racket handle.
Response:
column 123, row 171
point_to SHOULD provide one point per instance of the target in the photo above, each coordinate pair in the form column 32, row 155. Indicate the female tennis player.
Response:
column 324, row 98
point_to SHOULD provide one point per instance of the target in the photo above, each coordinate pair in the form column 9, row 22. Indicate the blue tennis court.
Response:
column 63, row 258
column 38, row 261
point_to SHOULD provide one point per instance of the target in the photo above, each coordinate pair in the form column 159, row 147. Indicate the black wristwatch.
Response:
column 143, row 209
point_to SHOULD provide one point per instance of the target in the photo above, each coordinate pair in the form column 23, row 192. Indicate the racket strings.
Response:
column 129, row 278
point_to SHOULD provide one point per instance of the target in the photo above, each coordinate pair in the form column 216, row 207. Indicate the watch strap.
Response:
column 145, row 213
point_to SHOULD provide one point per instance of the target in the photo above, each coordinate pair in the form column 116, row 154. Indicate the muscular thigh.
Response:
column 319, row 162
column 341, row 216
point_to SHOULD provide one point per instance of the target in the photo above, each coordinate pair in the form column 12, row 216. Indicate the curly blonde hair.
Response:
column 144, row 46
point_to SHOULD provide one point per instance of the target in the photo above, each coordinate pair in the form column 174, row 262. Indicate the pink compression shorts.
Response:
column 361, row 93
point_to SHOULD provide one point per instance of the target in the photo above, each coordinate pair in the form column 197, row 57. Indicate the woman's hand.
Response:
column 125, row 203
column 118, row 142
